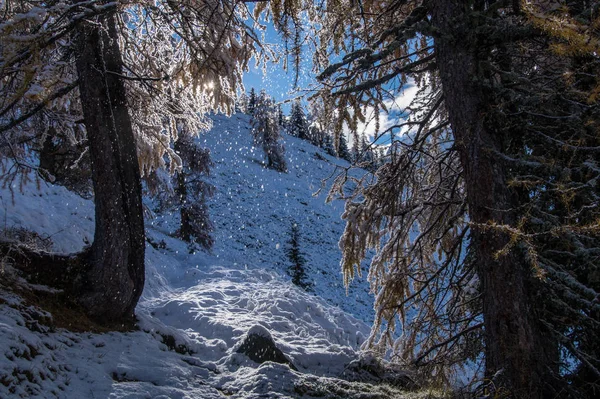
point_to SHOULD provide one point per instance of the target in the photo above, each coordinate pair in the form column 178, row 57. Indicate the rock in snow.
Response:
column 370, row 368
column 260, row 347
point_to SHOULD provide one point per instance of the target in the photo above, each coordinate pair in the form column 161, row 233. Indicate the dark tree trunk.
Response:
column 515, row 347
column 114, row 275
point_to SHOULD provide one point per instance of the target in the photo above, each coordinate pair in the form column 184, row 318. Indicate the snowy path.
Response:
column 186, row 346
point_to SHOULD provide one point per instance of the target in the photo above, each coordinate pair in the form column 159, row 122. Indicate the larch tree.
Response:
column 485, row 217
column 127, row 74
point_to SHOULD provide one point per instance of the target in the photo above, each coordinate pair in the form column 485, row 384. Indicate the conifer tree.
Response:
column 328, row 145
column 280, row 118
column 316, row 136
column 365, row 150
column 251, row 102
column 241, row 104
column 265, row 130
column 298, row 126
column 342, row 148
column 367, row 155
column 296, row 257
column 355, row 151
column 192, row 191
column 85, row 67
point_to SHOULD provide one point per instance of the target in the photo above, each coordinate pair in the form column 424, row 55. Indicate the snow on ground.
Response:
column 205, row 321
column 254, row 209
column 196, row 308
column 52, row 211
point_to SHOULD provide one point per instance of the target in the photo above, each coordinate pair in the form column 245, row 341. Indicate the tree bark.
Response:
column 114, row 276
column 516, row 353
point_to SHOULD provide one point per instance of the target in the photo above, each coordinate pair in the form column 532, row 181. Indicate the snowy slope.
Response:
column 197, row 308
column 254, row 208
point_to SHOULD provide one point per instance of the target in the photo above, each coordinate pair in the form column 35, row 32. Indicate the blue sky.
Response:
column 280, row 84
column 276, row 81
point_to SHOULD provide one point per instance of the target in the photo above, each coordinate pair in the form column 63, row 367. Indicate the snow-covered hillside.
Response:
column 254, row 209
column 197, row 309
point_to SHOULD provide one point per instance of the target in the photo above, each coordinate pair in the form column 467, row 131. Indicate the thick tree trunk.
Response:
column 516, row 352
column 114, row 277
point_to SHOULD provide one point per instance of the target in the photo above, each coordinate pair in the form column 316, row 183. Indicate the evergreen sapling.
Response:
column 297, row 269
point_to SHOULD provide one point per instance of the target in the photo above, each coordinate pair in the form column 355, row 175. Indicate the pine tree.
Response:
column 296, row 257
column 280, row 118
column 342, row 149
column 192, row 191
column 316, row 136
column 380, row 156
column 328, row 145
column 367, row 155
column 265, row 131
column 298, row 126
column 251, row 102
column 355, row 151
column 241, row 104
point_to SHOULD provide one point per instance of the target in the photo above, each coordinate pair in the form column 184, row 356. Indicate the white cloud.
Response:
column 402, row 100
column 395, row 106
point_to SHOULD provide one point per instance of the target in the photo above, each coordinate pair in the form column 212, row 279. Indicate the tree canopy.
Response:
column 180, row 60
